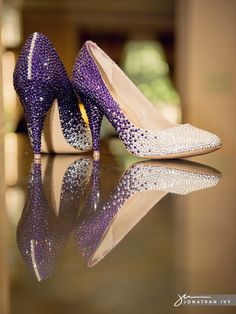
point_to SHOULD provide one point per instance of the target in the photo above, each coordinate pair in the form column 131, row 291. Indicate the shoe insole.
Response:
column 55, row 172
column 53, row 140
column 132, row 102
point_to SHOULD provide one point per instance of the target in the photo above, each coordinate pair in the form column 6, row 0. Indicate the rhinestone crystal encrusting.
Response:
column 99, row 213
column 39, row 79
column 41, row 234
column 89, row 84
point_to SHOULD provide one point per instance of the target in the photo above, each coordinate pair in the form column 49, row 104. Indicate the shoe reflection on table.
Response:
column 104, row 222
column 64, row 196
column 46, row 222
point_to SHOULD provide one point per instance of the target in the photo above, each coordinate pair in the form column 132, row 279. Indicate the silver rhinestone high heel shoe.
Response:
column 105, row 221
column 105, row 90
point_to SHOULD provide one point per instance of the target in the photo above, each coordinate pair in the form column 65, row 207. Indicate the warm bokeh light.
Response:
column 9, row 95
column 11, row 161
column 10, row 27
column 14, row 199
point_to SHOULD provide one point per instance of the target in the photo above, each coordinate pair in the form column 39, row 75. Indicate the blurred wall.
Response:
column 206, row 68
column 206, row 77
column 69, row 23
column 4, row 280
column 1, row 96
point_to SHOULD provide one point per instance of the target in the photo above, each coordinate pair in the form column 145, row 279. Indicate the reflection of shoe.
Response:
column 42, row 232
column 103, row 224
column 39, row 79
column 105, row 90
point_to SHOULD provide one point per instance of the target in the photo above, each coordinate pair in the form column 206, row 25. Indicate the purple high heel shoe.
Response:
column 105, row 90
column 39, row 79
column 43, row 230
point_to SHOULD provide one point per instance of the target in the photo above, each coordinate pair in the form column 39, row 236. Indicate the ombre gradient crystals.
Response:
column 99, row 213
column 39, row 79
column 171, row 142
column 89, row 210
column 43, row 231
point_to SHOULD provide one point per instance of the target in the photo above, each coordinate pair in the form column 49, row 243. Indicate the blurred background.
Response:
column 181, row 54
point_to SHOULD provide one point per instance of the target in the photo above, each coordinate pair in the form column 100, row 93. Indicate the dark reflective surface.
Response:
column 118, row 235
column 98, row 221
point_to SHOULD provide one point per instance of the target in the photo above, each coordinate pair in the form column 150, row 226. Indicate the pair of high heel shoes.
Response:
column 71, row 199
column 40, row 79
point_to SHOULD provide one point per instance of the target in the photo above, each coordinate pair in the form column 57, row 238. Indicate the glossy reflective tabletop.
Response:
column 121, row 235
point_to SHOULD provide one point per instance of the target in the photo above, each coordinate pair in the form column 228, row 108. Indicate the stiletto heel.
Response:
column 95, row 117
column 142, row 129
column 41, row 82
column 35, row 117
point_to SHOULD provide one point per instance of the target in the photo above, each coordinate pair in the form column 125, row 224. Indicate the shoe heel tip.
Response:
column 37, row 158
column 96, row 155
